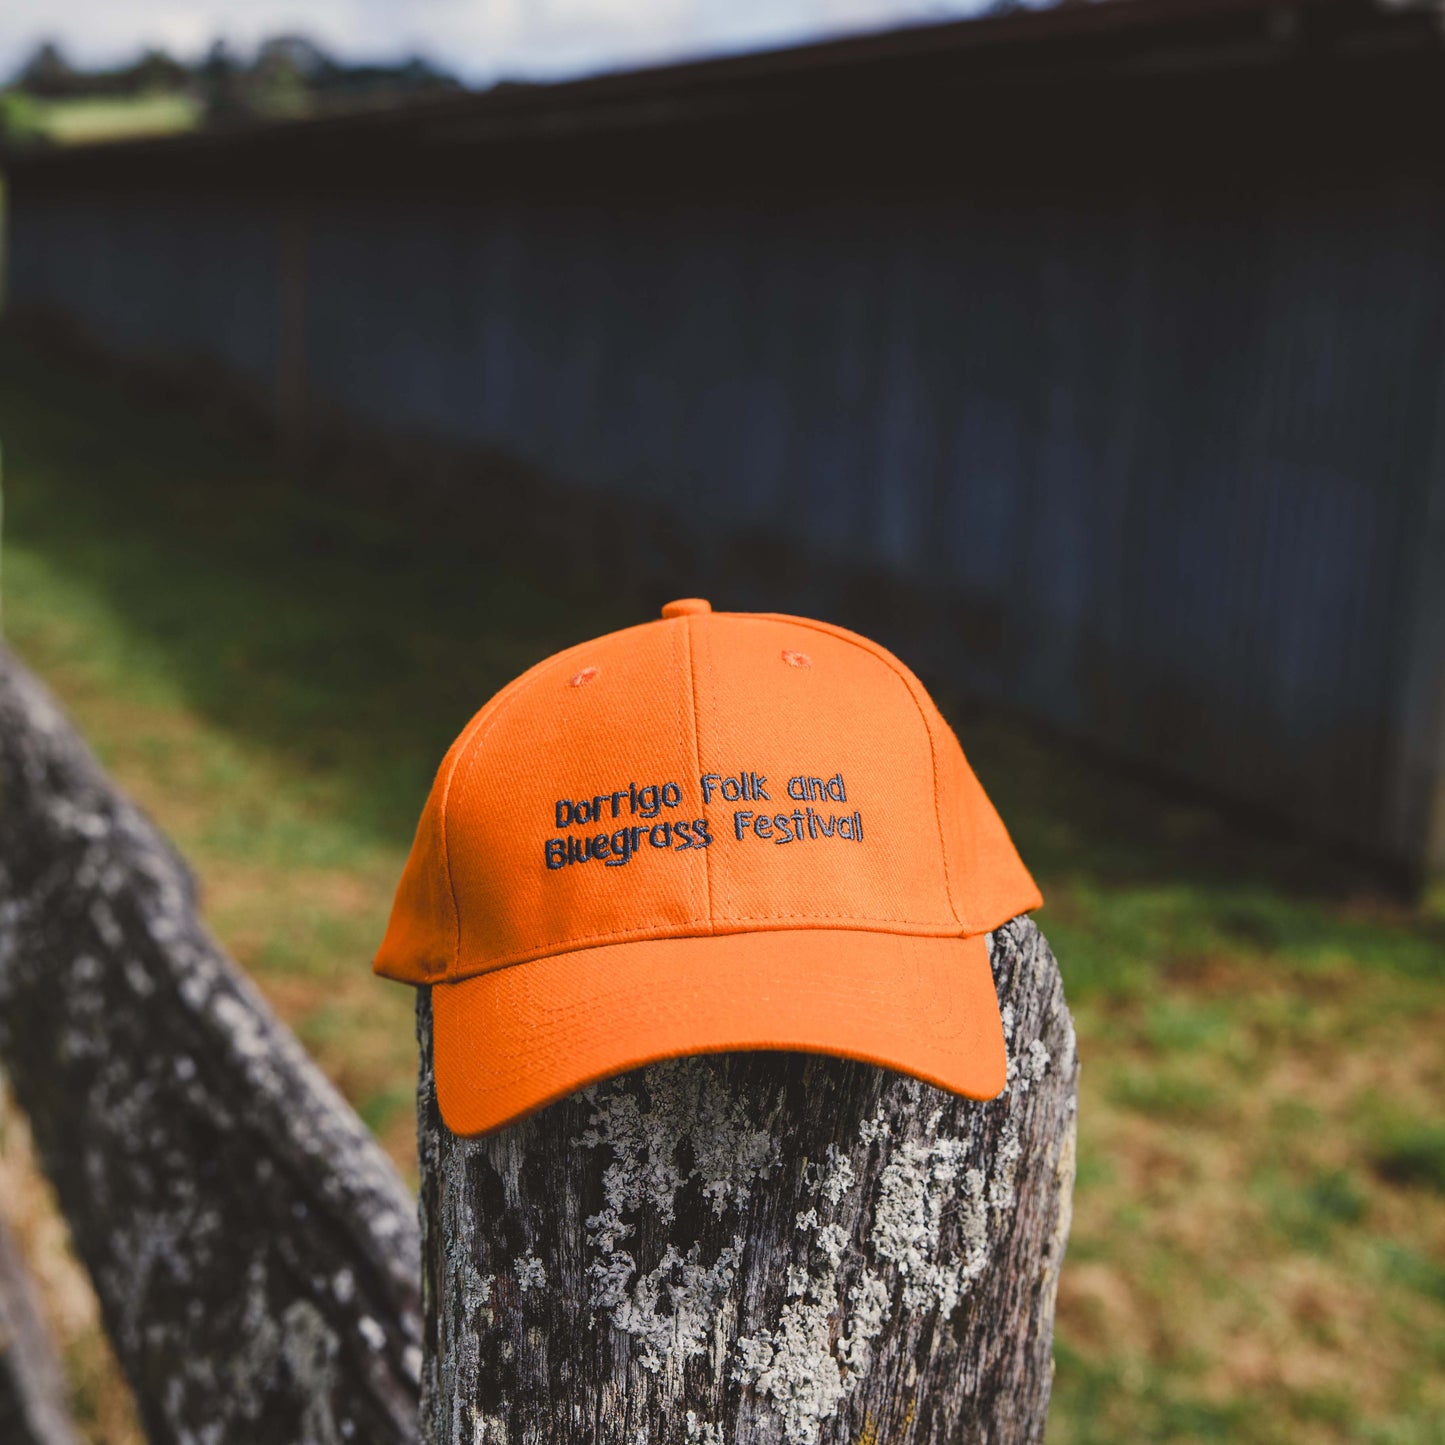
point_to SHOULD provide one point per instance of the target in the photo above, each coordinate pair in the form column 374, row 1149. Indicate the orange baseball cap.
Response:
column 715, row 831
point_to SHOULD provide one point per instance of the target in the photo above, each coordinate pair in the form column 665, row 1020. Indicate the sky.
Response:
column 480, row 40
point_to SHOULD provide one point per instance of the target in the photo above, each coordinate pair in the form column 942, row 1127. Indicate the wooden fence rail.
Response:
column 32, row 1398
column 253, row 1250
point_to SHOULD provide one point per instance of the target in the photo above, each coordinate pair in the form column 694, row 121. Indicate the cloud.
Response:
column 480, row 39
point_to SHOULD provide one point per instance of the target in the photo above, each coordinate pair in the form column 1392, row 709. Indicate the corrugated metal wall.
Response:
column 1171, row 453
column 162, row 278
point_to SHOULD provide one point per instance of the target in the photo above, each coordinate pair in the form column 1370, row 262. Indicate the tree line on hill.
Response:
column 286, row 75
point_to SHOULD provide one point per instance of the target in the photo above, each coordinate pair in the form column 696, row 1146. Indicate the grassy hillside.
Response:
column 81, row 121
column 1258, row 1250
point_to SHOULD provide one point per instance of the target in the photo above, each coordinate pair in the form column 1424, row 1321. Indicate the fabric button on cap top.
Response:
column 748, row 832
column 686, row 607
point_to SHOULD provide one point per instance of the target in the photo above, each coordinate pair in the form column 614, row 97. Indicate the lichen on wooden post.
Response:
column 757, row 1247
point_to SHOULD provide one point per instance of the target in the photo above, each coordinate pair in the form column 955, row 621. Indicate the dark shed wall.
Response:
column 157, row 277
column 1170, row 456
column 1162, row 441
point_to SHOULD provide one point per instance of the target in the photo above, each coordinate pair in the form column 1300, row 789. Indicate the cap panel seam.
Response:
column 903, row 675
column 679, row 658
column 472, row 738
column 786, row 923
column 725, row 874
column 697, row 756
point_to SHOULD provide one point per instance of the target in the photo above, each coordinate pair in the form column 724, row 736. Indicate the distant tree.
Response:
column 412, row 77
column 155, row 70
column 298, row 54
column 286, row 73
column 221, row 80
column 47, row 72
column 419, row 73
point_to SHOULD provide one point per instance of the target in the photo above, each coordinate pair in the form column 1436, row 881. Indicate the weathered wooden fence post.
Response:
column 750, row 1248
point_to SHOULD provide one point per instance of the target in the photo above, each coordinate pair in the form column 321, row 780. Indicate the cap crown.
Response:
column 707, row 773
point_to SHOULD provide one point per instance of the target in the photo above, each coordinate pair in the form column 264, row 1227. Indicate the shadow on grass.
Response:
column 353, row 646
column 336, row 639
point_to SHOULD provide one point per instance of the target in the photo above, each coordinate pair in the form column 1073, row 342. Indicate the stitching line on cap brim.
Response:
column 907, row 679
column 781, row 923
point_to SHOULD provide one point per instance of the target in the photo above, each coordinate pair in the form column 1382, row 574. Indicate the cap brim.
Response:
column 509, row 1041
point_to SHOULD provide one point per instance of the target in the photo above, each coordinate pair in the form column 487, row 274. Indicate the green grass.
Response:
column 86, row 120
column 1258, row 1251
